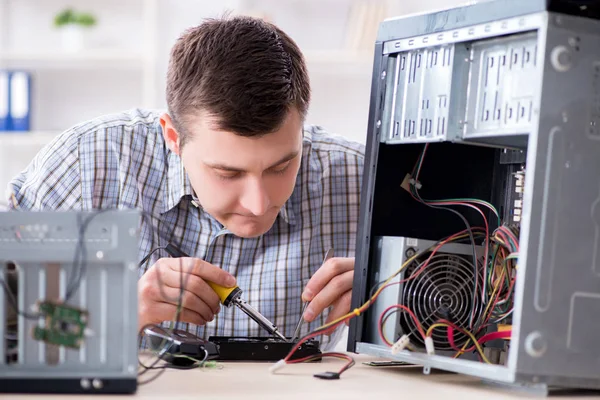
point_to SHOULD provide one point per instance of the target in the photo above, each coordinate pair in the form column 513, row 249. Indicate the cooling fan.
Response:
column 443, row 290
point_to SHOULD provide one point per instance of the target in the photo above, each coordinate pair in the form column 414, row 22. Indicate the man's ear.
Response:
column 170, row 133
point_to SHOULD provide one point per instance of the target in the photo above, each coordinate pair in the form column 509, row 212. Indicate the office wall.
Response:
column 124, row 62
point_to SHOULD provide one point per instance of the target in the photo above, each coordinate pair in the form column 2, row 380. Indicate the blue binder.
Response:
column 5, row 124
column 20, row 100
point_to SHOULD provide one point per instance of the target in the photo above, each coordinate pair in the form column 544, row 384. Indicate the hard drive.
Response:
column 260, row 348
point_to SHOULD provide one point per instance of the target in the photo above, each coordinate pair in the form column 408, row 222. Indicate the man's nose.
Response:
column 255, row 198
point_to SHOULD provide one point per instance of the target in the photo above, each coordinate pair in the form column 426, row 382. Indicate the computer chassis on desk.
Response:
column 72, row 277
column 480, row 208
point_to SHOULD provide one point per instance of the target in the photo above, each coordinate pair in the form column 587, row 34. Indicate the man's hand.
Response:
column 331, row 285
column 199, row 302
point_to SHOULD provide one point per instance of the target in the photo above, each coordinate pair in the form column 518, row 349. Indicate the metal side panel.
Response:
column 491, row 372
column 377, row 97
column 558, row 283
column 43, row 245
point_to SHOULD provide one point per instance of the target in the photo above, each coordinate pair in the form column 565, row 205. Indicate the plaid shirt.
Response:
column 121, row 161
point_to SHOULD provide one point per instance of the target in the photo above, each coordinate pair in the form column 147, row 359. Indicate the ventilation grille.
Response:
column 444, row 290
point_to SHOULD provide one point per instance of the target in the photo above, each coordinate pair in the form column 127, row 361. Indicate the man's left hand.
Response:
column 331, row 285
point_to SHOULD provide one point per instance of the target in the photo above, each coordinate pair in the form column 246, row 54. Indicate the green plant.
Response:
column 69, row 16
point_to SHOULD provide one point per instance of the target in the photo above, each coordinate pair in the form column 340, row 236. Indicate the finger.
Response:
column 203, row 270
column 336, row 287
column 332, row 267
column 167, row 312
column 341, row 307
column 194, row 284
column 191, row 302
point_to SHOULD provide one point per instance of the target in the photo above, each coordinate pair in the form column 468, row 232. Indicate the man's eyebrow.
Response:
column 230, row 168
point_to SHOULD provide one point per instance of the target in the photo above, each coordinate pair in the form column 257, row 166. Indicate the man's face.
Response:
column 241, row 181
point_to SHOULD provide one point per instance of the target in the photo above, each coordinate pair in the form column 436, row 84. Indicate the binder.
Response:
column 20, row 100
column 5, row 123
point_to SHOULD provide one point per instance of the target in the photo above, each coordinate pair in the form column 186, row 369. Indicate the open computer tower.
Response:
column 481, row 193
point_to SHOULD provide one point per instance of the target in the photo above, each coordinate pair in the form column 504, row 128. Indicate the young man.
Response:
column 229, row 175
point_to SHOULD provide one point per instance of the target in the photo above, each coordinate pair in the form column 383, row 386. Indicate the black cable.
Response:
column 80, row 269
column 80, row 258
column 147, row 257
column 163, row 348
column 417, row 257
column 164, row 367
column 14, row 303
column 159, row 373
column 415, row 191
column 473, row 248
column 374, row 288
column 80, row 250
column 76, row 275
column 167, row 332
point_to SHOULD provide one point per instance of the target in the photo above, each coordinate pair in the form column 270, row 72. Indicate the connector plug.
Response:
column 429, row 346
column 401, row 344
column 409, row 181
column 277, row 366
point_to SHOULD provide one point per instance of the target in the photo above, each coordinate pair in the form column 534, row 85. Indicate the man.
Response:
column 229, row 175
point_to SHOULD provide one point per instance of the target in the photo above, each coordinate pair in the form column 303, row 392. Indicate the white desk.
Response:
column 248, row 381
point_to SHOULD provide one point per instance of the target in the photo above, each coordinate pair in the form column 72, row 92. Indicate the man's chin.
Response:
column 249, row 229
column 247, row 232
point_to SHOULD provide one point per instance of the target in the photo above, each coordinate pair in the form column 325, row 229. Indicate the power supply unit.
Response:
column 479, row 230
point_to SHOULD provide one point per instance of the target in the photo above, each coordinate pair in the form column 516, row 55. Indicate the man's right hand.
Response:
column 200, row 302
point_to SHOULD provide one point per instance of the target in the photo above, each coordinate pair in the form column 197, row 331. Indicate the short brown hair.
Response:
column 243, row 71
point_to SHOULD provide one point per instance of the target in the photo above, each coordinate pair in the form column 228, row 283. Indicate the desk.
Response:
column 249, row 381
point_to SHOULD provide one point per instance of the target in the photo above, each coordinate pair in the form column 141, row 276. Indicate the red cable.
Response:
column 485, row 338
column 413, row 316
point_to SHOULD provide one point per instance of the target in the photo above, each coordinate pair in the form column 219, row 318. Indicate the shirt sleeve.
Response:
column 52, row 180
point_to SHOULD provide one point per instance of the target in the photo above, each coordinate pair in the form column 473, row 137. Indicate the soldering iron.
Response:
column 233, row 295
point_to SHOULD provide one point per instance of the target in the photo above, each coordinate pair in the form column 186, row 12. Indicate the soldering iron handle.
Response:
column 226, row 295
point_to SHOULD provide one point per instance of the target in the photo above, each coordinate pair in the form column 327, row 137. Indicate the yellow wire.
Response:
column 368, row 302
column 479, row 349
column 358, row 310
column 502, row 242
column 496, row 287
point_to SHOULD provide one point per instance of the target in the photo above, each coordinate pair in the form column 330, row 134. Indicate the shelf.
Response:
column 29, row 138
column 89, row 58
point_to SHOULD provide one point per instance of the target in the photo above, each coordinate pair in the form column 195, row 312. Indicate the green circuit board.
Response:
column 64, row 325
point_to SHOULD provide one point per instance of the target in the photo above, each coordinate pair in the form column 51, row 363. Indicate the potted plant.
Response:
column 73, row 27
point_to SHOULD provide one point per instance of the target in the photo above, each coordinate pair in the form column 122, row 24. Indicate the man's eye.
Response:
column 228, row 176
column 280, row 170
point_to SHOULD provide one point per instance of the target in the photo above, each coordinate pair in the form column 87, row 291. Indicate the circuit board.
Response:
column 64, row 325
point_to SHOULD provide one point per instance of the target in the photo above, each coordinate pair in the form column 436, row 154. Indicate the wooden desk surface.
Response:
column 247, row 381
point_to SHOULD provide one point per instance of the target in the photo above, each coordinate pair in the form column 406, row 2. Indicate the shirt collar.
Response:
column 178, row 185
column 179, row 188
